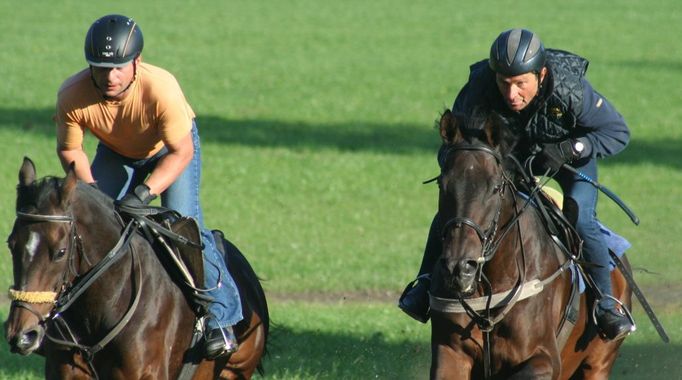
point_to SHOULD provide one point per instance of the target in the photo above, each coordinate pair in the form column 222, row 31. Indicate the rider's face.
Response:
column 519, row 90
column 114, row 82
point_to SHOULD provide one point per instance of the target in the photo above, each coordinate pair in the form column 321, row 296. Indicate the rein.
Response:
column 72, row 291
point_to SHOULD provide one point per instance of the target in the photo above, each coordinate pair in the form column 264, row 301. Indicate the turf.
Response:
column 317, row 130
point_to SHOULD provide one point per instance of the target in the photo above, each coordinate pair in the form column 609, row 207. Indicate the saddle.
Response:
column 177, row 241
column 559, row 220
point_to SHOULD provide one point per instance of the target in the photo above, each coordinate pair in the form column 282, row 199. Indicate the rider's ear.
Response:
column 449, row 127
column 69, row 184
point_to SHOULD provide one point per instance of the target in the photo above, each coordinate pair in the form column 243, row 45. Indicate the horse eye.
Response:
column 59, row 254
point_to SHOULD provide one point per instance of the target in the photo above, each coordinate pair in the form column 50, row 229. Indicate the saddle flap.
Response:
column 190, row 255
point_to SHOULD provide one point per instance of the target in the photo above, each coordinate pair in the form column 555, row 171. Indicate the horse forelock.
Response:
column 40, row 196
column 491, row 130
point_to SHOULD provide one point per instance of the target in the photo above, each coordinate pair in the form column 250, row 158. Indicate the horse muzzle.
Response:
column 24, row 342
column 460, row 276
column 24, row 329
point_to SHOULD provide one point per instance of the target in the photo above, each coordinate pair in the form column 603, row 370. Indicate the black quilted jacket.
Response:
column 566, row 107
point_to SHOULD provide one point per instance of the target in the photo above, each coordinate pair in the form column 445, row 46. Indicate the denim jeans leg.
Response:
column 111, row 172
column 595, row 249
column 183, row 196
column 226, row 308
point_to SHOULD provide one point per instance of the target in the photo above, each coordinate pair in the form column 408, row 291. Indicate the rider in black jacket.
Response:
column 551, row 105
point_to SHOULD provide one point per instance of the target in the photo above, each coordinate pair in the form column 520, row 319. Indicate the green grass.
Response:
column 317, row 129
column 375, row 341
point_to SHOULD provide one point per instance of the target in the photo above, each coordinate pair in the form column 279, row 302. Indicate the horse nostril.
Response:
column 467, row 267
column 28, row 338
column 26, row 342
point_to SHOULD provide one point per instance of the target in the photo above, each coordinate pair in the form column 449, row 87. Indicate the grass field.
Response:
column 317, row 129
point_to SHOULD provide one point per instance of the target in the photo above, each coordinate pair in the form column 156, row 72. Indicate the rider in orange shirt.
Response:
column 148, row 146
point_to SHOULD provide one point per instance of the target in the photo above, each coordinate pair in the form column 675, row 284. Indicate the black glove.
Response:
column 139, row 198
column 557, row 154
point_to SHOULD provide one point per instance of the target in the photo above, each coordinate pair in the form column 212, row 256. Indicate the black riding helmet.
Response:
column 516, row 52
column 113, row 41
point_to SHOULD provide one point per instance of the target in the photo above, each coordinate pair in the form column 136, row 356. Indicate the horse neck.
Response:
column 136, row 273
column 538, row 255
column 97, row 226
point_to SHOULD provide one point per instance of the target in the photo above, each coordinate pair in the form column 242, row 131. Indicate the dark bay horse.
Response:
column 130, row 320
column 502, row 287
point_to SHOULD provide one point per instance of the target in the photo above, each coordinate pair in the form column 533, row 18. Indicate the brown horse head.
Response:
column 472, row 183
column 42, row 248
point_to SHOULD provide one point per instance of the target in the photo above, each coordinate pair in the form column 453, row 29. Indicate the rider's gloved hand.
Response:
column 140, row 197
column 557, row 154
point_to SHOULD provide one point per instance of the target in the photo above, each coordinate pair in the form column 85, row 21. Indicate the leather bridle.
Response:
column 71, row 290
column 489, row 240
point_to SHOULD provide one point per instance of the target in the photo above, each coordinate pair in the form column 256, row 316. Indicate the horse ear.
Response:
column 497, row 131
column 492, row 132
column 449, row 127
column 70, row 183
column 27, row 172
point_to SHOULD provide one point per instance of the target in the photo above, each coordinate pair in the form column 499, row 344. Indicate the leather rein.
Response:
column 71, row 290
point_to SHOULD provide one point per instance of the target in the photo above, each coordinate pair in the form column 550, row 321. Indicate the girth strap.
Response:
column 570, row 316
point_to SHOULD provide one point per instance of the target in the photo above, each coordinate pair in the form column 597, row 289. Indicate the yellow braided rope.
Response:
column 32, row 297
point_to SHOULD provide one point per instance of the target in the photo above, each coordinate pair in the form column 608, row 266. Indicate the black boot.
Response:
column 613, row 323
column 220, row 342
column 415, row 299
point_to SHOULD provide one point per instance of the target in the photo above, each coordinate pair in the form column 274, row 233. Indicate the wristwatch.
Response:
column 578, row 148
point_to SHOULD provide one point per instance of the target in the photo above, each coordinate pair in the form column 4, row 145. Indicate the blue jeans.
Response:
column 117, row 175
column 595, row 249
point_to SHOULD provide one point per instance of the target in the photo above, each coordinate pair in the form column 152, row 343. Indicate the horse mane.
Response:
column 47, row 191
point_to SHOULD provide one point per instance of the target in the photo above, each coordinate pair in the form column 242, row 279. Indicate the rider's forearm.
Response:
column 80, row 159
column 170, row 166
